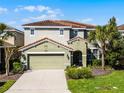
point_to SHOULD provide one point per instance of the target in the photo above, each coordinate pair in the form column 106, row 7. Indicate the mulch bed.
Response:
column 4, row 78
column 98, row 71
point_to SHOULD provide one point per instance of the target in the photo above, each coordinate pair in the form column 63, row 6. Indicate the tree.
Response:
column 109, row 41
column 99, row 36
column 115, row 42
column 9, row 50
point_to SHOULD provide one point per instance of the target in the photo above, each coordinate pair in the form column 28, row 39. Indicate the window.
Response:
column 32, row 32
column 61, row 31
column 75, row 33
column 95, row 51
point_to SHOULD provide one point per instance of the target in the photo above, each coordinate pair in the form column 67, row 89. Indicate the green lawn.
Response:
column 112, row 83
column 6, row 86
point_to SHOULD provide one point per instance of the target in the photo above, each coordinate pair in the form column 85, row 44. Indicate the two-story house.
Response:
column 56, row 44
column 16, row 40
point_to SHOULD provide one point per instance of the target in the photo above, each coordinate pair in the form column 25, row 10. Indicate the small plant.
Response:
column 96, row 62
column 79, row 73
column 17, row 67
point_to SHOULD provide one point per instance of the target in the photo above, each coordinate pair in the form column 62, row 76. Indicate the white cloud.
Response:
column 49, row 14
column 85, row 20
column 117, row 19
column 11, row 22
column 41, row 17
column 32, row 8
column 3, row 10
column 26, row 20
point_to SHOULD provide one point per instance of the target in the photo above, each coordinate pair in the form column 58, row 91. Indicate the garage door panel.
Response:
column 46, row 61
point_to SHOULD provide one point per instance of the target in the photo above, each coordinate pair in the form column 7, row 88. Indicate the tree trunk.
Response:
column 7, row 67
column 8, row 53
column 103, row 57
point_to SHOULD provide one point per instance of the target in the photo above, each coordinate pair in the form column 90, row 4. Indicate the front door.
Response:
column 77, row 58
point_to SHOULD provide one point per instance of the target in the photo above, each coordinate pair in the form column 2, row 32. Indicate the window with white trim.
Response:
column 61, row 31
column 75, row 33
column 32, row 31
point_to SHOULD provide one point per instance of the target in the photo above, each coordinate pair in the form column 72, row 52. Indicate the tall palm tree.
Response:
column 99, row 36
column 107, row 37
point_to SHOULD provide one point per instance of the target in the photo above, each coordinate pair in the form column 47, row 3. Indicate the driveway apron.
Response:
column 41, row 81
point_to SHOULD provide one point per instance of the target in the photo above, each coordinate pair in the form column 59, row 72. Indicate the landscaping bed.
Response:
column 7, row 81
column 111, row 83
column 4, row 78
column 99, row 71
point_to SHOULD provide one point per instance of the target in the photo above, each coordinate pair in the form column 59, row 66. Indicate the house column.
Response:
column 0, row 55
column 71, row 58
column 84, row 60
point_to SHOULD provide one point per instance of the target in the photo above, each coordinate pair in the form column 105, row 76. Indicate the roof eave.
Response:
column 47, row 26
column 32, row 45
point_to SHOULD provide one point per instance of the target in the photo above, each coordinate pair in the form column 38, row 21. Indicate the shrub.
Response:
column 85, row 73
column 96, row 62
column 79, row 73
column 72, row 73
column 6, row 86
column 17, row 67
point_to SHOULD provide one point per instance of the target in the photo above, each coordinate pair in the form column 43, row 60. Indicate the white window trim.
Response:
column 60, row 31
column 45, row 52
column 30, row 32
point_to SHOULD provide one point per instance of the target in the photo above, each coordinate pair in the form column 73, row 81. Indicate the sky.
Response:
column 18, row 12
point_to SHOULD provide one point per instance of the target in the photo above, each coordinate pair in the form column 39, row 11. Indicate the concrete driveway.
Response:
column 41, row 81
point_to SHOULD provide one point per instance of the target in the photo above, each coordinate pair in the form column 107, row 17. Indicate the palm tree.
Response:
column 106, row 37
column 99, row 36
column 4, row 35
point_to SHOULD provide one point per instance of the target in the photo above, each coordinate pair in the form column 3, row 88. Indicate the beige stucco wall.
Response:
column 81, row 34
column 80, row 45
column 50, row 33
column 17, row 39
column 50, row 48
column 10, row 40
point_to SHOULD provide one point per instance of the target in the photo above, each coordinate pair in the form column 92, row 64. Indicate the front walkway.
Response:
column 41, row 81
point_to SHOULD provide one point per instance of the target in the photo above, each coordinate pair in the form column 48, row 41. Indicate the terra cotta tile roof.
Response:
column 121, row 27
column 45, row 39
column 60, row 23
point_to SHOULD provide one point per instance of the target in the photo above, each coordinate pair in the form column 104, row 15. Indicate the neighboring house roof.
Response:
column 12, row 29
column 121, row 27
column 60, row 23
column 43, row 40
column 76, row 38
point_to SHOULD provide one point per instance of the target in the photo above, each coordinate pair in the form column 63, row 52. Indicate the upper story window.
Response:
column 75, row 33
column 61, row 31
column 32, row 31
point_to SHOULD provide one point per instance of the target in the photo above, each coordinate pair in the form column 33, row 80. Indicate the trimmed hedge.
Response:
column 6, row 86
column 79, row 73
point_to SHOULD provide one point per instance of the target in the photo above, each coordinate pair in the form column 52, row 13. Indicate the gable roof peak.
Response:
column 42, row 40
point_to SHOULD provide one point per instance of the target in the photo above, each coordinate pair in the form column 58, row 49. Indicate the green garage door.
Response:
column 46, row 61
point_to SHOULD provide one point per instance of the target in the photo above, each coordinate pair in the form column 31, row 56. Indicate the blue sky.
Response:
column 18, row 12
